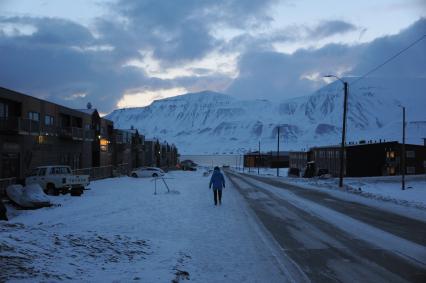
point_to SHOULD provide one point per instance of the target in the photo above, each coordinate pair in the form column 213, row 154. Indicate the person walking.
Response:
column 218, row 182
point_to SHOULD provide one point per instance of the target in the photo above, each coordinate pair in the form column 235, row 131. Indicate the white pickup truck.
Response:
column 58, row 179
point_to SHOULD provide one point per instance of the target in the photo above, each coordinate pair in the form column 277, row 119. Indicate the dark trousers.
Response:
column 217, row 194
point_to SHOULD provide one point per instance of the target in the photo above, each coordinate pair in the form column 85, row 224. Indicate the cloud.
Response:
column 329, row 28
column 275, row 76
column 159, row 45
column 409, row 64
column 180, row 31
column 57, row 58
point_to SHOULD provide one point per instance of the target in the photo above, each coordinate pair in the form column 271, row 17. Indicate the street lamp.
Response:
column 342, row 146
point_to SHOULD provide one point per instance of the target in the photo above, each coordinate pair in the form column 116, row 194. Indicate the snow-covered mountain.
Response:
column 210, row 123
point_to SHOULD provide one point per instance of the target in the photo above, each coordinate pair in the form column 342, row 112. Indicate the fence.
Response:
column 103, row 172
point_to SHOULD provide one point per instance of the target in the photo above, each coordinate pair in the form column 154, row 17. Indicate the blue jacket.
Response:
column 217, row 180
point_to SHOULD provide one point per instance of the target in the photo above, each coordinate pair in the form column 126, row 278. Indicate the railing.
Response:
column 49, row 130
column 4, row 183
column 122, row 169
column 27, row 126
column 16, row 124
column 71, row 133
column 97, row 173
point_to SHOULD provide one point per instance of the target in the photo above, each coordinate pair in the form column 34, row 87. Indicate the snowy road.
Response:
column 333, row 240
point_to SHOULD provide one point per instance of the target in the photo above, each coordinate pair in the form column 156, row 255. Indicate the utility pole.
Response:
column 403, row 150
column 342, row 146
column 278, row 152
column 258, row 161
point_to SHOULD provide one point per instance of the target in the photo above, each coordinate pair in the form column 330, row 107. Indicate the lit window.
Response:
column 104, row 144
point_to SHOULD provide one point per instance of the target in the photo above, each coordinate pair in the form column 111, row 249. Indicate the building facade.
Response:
column 267, row 159
column 35, row 132
column 364, row 160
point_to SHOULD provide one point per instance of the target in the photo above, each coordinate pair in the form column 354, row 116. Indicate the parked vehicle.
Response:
column 188, row 165
column 147, row 172
column 58, row 179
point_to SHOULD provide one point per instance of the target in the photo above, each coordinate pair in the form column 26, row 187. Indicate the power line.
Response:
column 390, row 59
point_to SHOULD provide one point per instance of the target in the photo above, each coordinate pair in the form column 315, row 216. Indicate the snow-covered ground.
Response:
column 120, row 231
column 386, row 188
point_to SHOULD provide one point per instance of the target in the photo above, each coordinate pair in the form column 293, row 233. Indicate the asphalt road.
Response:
column 332, row 251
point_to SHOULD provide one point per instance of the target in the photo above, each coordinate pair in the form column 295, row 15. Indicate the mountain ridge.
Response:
column 210, row 122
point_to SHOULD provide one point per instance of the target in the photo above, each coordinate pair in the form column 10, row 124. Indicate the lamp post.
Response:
column 342, row 145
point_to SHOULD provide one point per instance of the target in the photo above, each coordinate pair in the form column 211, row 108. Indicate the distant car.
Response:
column 188, row 165
column 147, row 172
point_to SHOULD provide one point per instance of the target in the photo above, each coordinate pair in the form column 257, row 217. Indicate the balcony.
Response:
column 71, row 133
column 16, row 125
column 20, row 126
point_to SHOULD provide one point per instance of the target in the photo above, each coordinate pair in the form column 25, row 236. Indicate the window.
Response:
column 390, row 154
column 4, row 110
column 410, row 154
column 34, row 172
column 48, row 120
column 42, row 172
column 35, row 116
column 59, row 170
column 411, row 170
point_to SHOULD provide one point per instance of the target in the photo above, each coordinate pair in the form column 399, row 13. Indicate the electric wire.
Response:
column 389, row 59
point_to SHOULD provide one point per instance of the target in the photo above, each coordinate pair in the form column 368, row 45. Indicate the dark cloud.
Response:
column 62, row 57
column 52, row 63
column 329, row 28
column 51, row 31
column 181, row 30
column 409, row 64
column 275, row 76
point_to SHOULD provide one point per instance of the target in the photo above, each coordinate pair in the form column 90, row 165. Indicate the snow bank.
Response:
column 30, row 196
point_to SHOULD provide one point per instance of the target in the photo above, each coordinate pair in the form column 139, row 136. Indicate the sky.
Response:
column 123, row 53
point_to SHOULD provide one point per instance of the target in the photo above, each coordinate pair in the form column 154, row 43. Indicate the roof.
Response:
column 87, row 111
column 354, row 144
